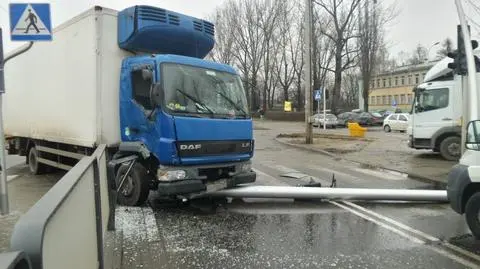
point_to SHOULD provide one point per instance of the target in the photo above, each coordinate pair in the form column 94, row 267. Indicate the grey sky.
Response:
column 419, row 21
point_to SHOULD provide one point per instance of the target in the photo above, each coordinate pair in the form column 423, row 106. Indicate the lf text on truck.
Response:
column 136, row 81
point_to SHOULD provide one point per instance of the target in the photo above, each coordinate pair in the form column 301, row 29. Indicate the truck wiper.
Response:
column 198, row 102
column 237, row 107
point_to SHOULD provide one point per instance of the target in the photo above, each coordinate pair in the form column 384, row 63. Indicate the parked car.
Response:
column 346, row 117
column 396, row 122
column 331, row 120
column 370, row 119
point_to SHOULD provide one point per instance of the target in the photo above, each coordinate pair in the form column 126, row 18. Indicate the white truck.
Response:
column 436, row 114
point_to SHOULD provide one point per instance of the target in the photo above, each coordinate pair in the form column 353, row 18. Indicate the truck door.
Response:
column 433, row 111
column 138, row 111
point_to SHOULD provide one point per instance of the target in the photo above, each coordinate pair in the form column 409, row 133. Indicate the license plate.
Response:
column 216, row 185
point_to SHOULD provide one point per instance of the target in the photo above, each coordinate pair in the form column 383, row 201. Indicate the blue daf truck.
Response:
column 137, row 82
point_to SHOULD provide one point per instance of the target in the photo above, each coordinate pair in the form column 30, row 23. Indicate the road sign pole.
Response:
column 308, row 72
column 324, row 109
column 3, row 179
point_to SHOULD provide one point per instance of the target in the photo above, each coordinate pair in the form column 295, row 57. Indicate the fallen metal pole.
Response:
column 333, row 193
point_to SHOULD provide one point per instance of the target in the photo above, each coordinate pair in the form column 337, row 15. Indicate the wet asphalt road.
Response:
column 267, row 233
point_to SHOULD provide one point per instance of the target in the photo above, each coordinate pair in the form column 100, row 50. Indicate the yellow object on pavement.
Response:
column 356, row 130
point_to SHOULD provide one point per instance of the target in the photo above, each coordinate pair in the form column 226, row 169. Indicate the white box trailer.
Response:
column 66, row 91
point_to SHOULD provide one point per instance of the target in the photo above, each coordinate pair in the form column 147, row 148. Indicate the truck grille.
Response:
column 210, row 148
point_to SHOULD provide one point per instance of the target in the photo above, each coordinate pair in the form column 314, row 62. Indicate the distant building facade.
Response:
column 393, row 89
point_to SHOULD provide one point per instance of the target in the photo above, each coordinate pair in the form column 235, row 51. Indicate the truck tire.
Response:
column 472, row 214
column 35, row 167
column 450, row 148
column 135, row 189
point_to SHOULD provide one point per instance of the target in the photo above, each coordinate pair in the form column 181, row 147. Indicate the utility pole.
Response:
column 3, row 178
column 4, row 208
column 308, row 72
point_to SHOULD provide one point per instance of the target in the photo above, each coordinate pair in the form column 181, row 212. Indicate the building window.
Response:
column 372, row 100
column 409, row 96
column 397, row 99
column 379, row 100
column 378, row 83
column 384, row 100
column 403, row 80
column 389, row 82
column 372, row 84
column 409, row 79
column 396, row 81
column 416, row 78
column 403, row 99
column 384, row 83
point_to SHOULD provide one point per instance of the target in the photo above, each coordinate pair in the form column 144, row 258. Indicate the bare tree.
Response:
column 341, row 32
column 372, row 17
column 288, row 50
column 268, row 16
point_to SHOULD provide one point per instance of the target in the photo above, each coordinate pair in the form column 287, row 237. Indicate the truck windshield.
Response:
column 195, row 90
column 432, row 99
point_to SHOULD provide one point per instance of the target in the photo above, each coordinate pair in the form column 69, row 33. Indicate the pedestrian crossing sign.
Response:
column 30, row 22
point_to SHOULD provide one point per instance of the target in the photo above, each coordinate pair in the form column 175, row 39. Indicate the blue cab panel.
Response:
column 160, row 31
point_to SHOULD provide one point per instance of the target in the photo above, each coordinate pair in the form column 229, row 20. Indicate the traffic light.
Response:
column 459, row 56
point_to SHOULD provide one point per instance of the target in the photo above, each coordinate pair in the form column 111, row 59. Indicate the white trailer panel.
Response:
column 67, row 90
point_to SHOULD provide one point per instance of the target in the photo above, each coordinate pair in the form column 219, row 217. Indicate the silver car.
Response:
column 331, row 120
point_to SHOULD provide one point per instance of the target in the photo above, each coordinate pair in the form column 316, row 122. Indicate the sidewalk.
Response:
column 24, row 190
column 379, row 149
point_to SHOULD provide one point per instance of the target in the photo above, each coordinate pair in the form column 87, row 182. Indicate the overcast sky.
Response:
column 418, row 21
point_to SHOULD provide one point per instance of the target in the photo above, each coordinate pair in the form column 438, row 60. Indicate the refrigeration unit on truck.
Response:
column 136, row 81
column 435, row 121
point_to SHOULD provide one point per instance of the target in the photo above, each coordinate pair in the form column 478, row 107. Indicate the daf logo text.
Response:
column 190, row 147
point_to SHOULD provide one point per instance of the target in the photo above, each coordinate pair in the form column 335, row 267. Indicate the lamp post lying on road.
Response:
column 333, row 193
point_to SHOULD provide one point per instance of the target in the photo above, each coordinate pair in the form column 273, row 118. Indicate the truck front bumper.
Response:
column 195, row 186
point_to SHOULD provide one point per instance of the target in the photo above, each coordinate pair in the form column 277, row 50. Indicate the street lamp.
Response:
column 428, row 52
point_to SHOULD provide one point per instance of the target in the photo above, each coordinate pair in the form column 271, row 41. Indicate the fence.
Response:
column 66, row 227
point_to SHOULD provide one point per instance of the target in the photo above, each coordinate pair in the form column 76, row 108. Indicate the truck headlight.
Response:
column 172, row 175
column 246, row 167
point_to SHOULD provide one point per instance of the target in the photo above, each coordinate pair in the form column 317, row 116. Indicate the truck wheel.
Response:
column 450, row 148
column 135, row 189
column 35, row 167
column 472, row 214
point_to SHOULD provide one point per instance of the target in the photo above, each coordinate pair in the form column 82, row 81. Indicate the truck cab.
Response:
column 184, row 119
column 436, row 113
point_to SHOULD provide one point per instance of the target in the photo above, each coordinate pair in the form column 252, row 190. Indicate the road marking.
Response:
column 11, row 177
column 391, row 221
column 379, row 174
column 408, row 236
column 386, row 226
column 390, row 224
column 267, row 177
column 323, row 169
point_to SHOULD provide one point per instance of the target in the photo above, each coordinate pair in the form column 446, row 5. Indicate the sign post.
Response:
column 325, row 111
column 28, row 22
column 318, row 97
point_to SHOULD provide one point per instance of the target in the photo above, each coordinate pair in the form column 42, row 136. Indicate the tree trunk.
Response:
column 338, row 78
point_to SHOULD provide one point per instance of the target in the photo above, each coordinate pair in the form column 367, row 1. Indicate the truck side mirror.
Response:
column 147, row 74
column 473, row 135
column 157, row 94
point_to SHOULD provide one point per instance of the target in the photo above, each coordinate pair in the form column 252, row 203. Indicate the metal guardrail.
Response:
column 66, row 227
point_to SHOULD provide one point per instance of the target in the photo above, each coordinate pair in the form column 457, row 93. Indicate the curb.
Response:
column 323, row 152
column 413, row 176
